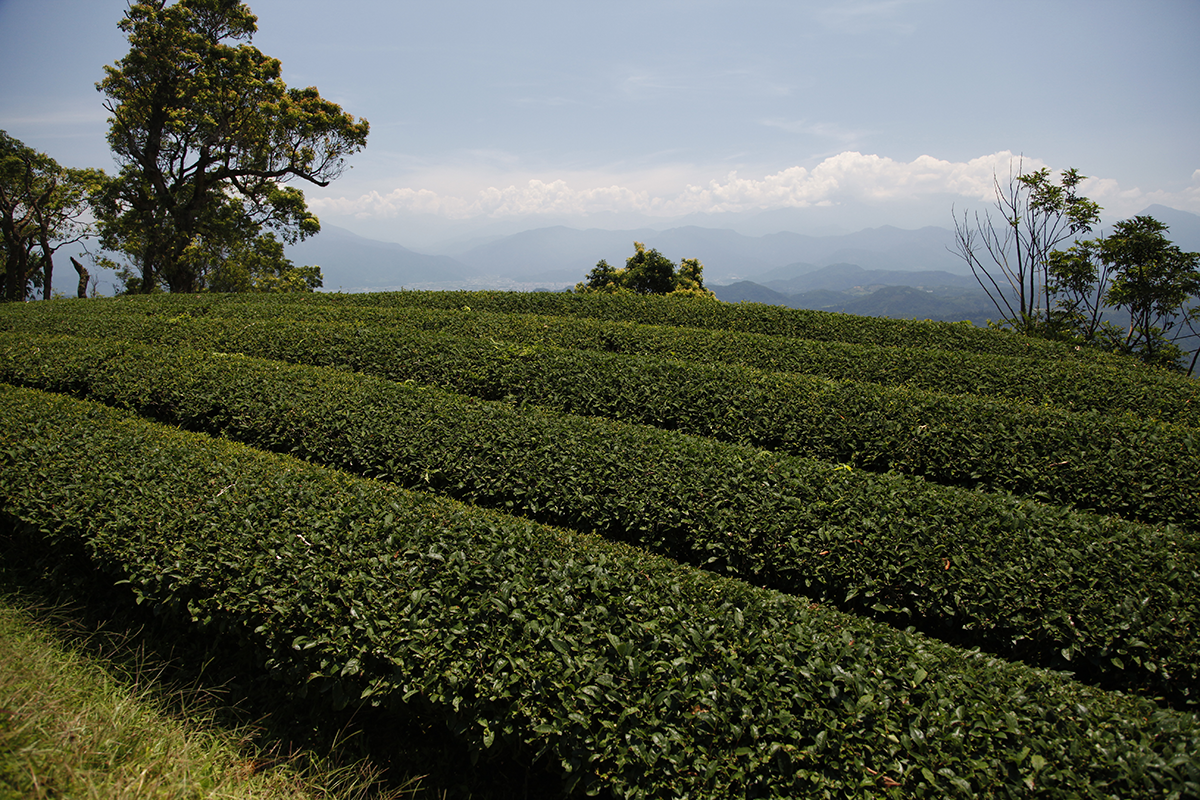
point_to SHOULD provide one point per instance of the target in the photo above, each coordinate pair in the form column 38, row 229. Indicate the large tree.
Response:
column 1135, row 269
column 1154, row 281
column 1009, row 253
column 43, row 207
column 207, row 135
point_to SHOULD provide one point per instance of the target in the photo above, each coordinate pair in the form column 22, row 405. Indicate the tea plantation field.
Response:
column 641, row 547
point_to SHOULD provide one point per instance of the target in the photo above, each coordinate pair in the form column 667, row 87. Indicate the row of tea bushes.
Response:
column 690, row 312
column 1110, row 464
column 1080, row 384
column 1104, row 385
column 626, row 672
column 1115, row 601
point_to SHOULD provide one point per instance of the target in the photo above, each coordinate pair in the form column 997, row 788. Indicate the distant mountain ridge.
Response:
column 950, row 300
column 557, row 257
column 353, row 263
column 726, row 254
column 843, row 277
column 900, row 294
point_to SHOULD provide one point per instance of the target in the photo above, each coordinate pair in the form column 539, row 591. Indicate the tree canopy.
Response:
column 1135, row 269
column 647, row 272
column 259, row 265
column 43, row 207
column 207, row 134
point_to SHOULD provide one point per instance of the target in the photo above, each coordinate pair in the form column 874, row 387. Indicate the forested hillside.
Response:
column 640, row 546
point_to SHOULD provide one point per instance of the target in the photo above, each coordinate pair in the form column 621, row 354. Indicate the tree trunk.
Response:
column 16, row 270
column 47, row 265
column 83, row 277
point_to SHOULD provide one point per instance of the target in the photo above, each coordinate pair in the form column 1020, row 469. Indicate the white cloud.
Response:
column 854, row 176
column 1120, row 203
column 843, row 178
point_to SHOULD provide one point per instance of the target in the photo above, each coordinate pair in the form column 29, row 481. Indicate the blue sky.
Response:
column 535, row 113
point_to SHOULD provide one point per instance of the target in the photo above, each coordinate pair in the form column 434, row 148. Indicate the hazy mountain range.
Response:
column 558, row 257
column 883, row 271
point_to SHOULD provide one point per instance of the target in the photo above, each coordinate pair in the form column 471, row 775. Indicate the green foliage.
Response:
column 1113, row 464
column 1057, row 294
column 686, row 312
column 42, row 208
column 1079, row 379
column 628, row 674
column 258, row 265
column 1078, row 287
column 207, row 134
column 647, row 273
column 616, row 670
column 1153, row 280
column 1137, row 269
column 1113, row 600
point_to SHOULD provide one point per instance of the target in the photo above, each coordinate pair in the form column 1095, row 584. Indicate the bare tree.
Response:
column 1008, row 252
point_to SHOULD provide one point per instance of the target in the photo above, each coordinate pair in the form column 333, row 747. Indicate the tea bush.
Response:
column 1079, row 383
column 630, row 674
column 1113, row 600
column 1110, row 464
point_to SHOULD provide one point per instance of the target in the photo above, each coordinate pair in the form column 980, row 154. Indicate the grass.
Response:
column 87, row 714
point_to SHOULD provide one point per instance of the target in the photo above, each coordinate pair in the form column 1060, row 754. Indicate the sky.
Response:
column 833, row 115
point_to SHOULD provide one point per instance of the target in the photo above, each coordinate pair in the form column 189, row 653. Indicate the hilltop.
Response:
column 636, row 546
